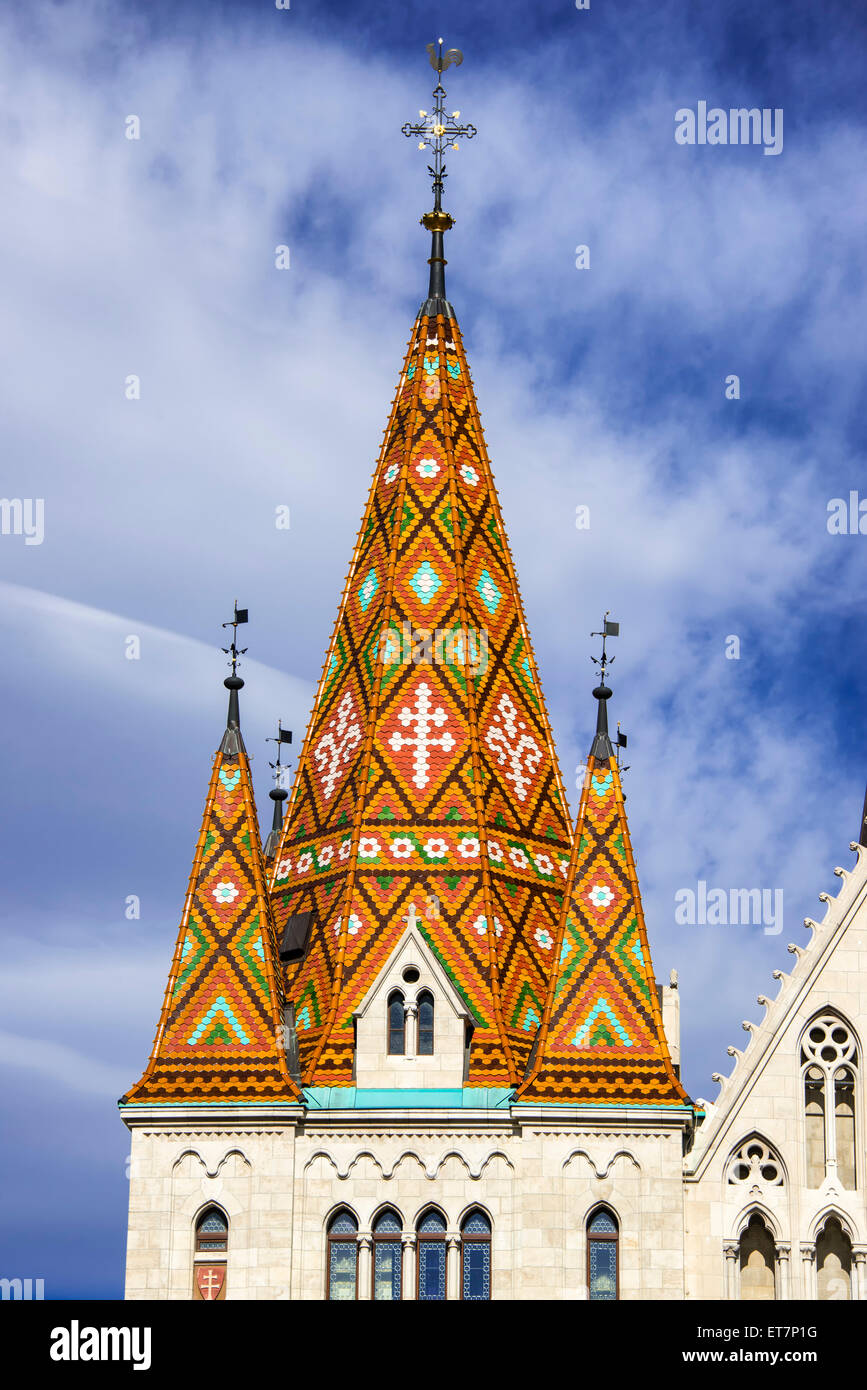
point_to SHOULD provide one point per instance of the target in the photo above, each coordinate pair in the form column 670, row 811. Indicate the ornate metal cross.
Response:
column 436, row 130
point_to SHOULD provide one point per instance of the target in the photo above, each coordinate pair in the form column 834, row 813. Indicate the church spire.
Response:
column 220, row 1034
column 601, row 1039
column 428, row 772
column 436, row 131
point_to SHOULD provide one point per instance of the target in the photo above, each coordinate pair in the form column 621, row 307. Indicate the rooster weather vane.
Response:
column 437, row 130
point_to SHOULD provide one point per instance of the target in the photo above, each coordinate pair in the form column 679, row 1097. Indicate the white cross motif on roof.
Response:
column 334, row 750
column 424, row 719
column 509, row 745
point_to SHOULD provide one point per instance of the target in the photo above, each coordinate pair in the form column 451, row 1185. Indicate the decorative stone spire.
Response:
column 601, row 1039
column 220, row 1034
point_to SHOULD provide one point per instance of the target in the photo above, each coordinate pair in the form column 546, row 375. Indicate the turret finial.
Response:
column 278, row 792
column 232, row 737
column 438, row 130
column 602, row 746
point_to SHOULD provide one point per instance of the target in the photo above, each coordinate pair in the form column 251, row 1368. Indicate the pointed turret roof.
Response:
column 428, row 771
column 601, row 1040
column 220, row 1035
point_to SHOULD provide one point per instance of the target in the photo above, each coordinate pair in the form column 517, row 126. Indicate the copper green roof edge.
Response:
column 431, row 1098
column 616, row 1107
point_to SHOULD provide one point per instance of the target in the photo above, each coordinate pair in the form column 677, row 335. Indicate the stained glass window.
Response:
column 602, row 1257
column 396, row 1026
column 425, row 1024
column 386, row 1270
column 477, row 1224
column 431, row 1257
column 476, row 1258
column 432, row 1222
column 386, row 1223
column 212, row 1231
column 387, row 1256
column 342, row 1257
column 603, row 1223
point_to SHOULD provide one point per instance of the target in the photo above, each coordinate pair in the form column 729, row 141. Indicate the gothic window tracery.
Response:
column 755, row 1161
column 829, row 1059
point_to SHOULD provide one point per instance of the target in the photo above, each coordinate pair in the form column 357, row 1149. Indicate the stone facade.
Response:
column 735, row 1208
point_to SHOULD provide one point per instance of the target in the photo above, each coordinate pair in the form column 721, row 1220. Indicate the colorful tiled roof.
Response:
column 428, row 770
column 220, row 1034
column 601, row 1040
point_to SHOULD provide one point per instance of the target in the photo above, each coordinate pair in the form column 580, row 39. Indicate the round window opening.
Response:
column 410, row 975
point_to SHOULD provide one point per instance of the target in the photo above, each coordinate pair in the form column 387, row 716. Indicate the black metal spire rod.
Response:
column 234, row 683
column 602, row 746
column 278, row 792
column 436, row 130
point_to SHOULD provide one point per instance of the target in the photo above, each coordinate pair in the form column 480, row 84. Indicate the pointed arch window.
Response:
column 387, row 1256
column 603, row 1240
column 396, row 1025
column 844, row 1125
column 833, row 1262
column 757, row 1256
column 342, row 1257
column 211, row 1252
column 431, row 1246
column 829, row 1061
column 425, row 1024
column 476, row 1258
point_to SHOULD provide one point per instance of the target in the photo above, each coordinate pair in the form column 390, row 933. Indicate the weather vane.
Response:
column 609, row 629
column 283, row 736
column 233, row 653
column 437, row 130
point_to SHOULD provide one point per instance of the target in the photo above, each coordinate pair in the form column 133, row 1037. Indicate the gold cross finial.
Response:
column 436, row 130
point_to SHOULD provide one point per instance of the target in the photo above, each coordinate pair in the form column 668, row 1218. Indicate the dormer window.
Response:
column 396, row 1025
column 425, row 1024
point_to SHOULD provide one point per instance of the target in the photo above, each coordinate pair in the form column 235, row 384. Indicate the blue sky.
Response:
column 602, row 387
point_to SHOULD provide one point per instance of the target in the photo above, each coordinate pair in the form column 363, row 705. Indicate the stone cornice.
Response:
column 216, row 1116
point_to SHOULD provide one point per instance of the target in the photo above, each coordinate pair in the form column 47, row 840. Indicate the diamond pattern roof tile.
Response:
column 429, row 755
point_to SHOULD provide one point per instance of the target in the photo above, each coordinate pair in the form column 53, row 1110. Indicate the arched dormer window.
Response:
column 476, row 1258
column 387, row 1256
column 431, row 1246
column 829, row 1059
column 342, row 1257
column 396, row 1025
column 209, row 1262
column 603, row 1239
column 425, row 1024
